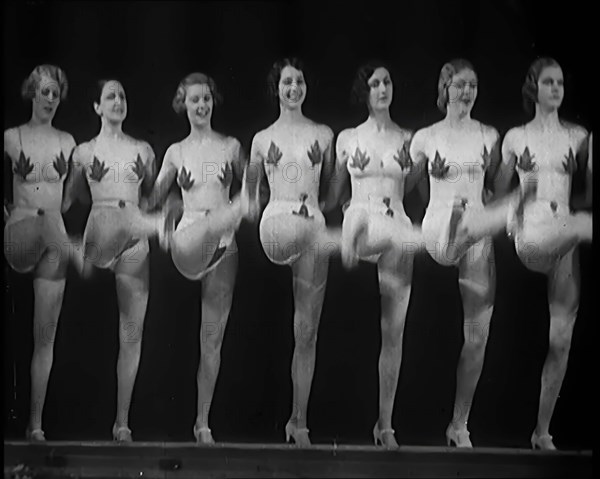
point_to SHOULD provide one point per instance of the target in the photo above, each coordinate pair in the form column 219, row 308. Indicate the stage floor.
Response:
column 187, row 460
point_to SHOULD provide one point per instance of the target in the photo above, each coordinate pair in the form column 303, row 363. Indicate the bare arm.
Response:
column 150, row 170
column 8, row 176
column 76, row 187
column 328, row 177
column 164, row 180
column 339, row 181
column 68, row 187
column 588, row 175
column 254, row 176
column 418, row 173
column 492, row 168
column 506, row 167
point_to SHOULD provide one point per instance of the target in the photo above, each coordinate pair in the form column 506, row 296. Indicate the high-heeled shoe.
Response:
column 121, row 434
column 203, row 435
column 378, row 436
column 543, row 442
column 460, row 437
column 35, row 435
column 300, row 435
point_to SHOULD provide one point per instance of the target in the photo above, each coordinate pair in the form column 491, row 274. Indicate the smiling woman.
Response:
column 203, row 245
column 119, row 169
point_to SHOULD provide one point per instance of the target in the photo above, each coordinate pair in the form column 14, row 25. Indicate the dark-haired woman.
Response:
column 375, row 156
column 203, row 246
column 291, row 153
column 545, row 153
column 118, row 170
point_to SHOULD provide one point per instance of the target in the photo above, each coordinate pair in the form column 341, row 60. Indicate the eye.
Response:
column 207, row 98
column 374, row 83
column 387, row 81
column 122, row 96
column 110, row 96
column 561, row 82
column 194, row 99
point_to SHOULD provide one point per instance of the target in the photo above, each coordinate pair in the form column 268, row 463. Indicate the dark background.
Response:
column 150, row 47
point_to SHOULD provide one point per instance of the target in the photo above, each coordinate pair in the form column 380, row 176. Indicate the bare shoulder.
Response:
column 83, row 152
column 64, row 136
column 489, row 132
column 344, row 137
column 261, row 136
column 10, row 139
column 514, row 135
column 403, row 134
column 577, row 131
column 323, row 130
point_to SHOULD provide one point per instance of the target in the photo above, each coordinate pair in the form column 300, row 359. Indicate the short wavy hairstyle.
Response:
column 529, row 90
column 99, row 87
column 275, row 74
column 450, row 69
column 31, row 83
column 195, row 78
column 360, row 87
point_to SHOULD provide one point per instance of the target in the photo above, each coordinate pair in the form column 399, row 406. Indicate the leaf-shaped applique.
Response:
column 359, row 160
column 570, row 165
column 60, row 165
column 315, row 155
column 403, row 157
column 486, row 157
column 138, row 168
column 97, row 170
column 439, row 169
column 23, row 167
column 273, row 155
column 303, row 210
column 184, row 180
column 226, row 175
column 389, row 212
column 525, row 161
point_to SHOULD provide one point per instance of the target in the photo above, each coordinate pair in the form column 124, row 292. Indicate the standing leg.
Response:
column 477, row 284
column 395, row 276
column 310, row 278
column 48, row 292
column 217, row 296
column 132, row 281
column 563, row 298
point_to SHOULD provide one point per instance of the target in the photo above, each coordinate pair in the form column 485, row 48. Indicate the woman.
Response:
column 118, row 170
column 203, row 245
column 35, row 239
column 459, row 153
column 375, row 227
column 292, row 152
column 546, row 152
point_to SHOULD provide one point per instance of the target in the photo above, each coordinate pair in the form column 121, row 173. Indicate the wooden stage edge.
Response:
column 187, row 460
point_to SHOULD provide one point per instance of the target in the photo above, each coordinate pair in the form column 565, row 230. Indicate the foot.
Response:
column 543, row 442
column 385, row 437
column 35, row 435
column 121, row 434
column 300, row 435
column 203, row 435
column 458, row 437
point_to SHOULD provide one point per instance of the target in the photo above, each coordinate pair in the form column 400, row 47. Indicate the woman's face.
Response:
column 381, row 89
column 113, row 102
column 462, row 92
column 46, row 99
column 292, row 87
column 550, row 87
column 199, row 104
